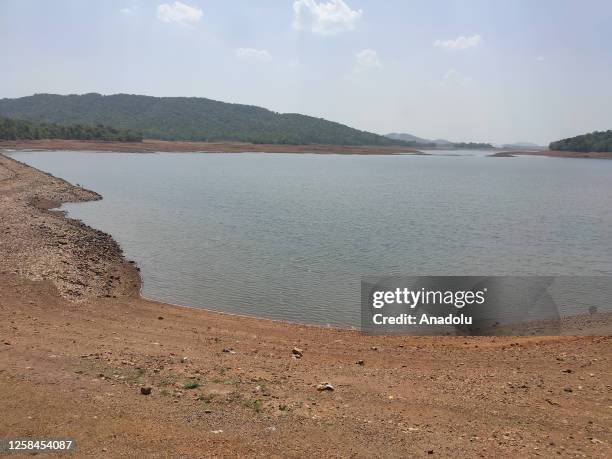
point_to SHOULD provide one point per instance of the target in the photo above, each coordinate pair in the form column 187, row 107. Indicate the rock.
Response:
column 207, row 411
column 160, row 318
column 430, row 451
column 567, row 371
column 145, row 390
column 325, row 386
column 229, row 350
column 297, row 352
column 360, row 362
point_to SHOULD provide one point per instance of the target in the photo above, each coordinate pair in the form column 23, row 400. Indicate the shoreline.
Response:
column 552, row 154
column 163, row 146
column 78, row 342
column 51, row 206
column 158, row 146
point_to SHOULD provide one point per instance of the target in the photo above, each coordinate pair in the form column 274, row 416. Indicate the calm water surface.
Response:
column 288, row 236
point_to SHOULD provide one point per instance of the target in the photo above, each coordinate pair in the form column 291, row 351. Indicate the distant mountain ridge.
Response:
column 437, row 143
column 523, row 145
column 187, row 118
column 407, row 137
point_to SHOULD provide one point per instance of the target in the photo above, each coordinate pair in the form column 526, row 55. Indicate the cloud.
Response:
column 252, row 54
column 454, row 78
column 459, row 43
column 128, row 10
column 322, row 18
column 179, row 13
column 367, row 59
column 540, row 58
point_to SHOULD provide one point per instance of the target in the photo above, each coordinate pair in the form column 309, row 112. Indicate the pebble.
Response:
column 145, row 390
column 297, row 352
column 325, row 386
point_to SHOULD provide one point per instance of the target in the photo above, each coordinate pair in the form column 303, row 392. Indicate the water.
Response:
column 288, row 236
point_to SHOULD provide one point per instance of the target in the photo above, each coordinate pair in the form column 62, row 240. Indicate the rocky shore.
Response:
column 38, row 243
column 83, row 356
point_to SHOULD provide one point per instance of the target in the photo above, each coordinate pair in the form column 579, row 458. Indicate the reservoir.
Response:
column 288, row 236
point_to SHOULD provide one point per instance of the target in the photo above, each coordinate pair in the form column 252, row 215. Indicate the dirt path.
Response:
column 73, row 361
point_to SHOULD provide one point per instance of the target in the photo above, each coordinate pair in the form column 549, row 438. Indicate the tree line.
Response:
column 598, row 141
column 15, row 129
column 471, row 145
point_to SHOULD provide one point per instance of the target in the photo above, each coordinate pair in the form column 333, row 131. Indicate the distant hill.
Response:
column 407, row 137
column 598, row 141
column 522, row 145
column 438, row 143
column 11, row 129
column 442, row 142
column 187, row 118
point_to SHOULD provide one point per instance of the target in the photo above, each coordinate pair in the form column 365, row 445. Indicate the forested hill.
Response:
column 187, row 118
column 598, row 141
column 11, row 129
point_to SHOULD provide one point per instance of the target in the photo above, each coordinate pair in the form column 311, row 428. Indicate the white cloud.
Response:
column 324, row 18
column 459, row 43
column 127, row 10
column 179, row 13
column 367, row 59
column 252, row 54
column 454, row 78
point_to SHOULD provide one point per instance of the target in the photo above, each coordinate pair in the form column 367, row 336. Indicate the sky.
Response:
column 497, row 71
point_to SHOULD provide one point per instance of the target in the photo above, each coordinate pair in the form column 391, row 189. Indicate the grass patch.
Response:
column 255, row 405
column 191, row 384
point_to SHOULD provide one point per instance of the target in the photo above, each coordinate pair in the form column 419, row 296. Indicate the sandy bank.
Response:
column 77, row 344
column 149, row 146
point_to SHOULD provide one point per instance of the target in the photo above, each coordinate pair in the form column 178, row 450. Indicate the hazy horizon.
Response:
column 501, row 73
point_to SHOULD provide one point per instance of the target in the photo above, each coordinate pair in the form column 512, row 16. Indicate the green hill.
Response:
column 598, row 141
column 11, row 129
column 187, row 118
